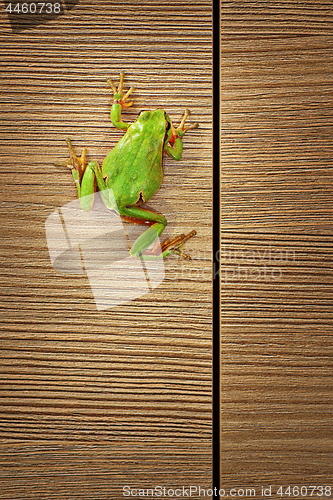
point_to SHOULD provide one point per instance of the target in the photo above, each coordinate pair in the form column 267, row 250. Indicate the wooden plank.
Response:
column 277, row 244
column 94, row 400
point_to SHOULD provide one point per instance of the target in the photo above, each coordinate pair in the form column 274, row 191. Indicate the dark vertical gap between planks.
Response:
column 216, row 251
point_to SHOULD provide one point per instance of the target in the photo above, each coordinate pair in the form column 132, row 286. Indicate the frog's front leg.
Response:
column 86, row 177
column 150, row 235
column 120, row 103
column 174, row 146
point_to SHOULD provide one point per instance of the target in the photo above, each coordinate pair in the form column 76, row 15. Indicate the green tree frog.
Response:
column 131, row 173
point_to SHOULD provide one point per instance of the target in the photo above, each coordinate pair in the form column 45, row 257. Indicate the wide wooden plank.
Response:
column 92, row 399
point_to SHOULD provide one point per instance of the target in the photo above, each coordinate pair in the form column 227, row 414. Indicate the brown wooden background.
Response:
column 93, row 401
column 96, row 400
column 277, row 193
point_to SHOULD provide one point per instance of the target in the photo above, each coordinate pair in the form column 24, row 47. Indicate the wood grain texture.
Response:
column 277, row 243
column 94, row 400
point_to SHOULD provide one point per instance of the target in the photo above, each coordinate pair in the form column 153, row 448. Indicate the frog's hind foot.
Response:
column 74, row 162
column 175, row 245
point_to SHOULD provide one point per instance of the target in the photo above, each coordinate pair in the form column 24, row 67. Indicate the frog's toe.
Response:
column 175, row 245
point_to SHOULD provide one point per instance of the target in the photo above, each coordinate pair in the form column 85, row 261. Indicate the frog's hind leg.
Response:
column 139, row 215
column 157, row 223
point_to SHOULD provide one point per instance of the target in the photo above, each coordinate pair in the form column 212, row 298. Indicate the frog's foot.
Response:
column 74, row 162
column 181, row 129
column 175, row 245
column 118, row 96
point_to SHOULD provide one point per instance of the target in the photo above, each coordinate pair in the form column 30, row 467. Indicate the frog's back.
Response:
column 134, row 166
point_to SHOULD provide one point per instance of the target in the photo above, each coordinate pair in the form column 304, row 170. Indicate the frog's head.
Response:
column 157, row 120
